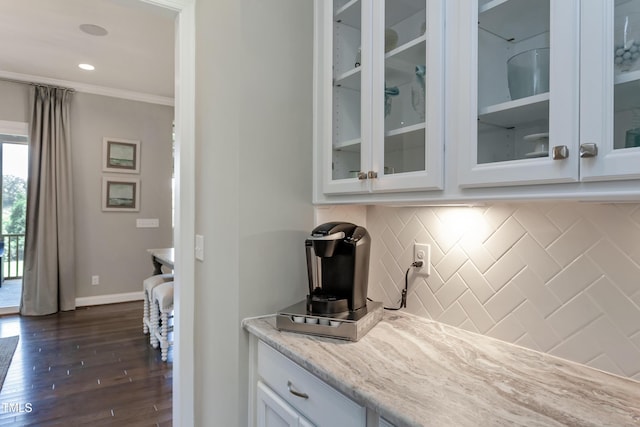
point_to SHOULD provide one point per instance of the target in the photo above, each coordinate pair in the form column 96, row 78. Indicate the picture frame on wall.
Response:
column 120, row 155
column 120, row 194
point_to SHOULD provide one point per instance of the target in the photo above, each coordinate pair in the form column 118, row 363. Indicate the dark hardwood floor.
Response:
column 92, row 366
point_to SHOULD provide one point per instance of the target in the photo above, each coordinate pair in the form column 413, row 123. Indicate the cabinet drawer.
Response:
column 323, row 405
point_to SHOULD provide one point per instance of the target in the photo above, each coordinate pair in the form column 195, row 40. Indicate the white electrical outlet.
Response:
column 95, row 280
column 422, row 252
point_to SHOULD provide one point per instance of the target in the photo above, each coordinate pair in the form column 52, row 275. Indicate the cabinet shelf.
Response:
column 352, row 145
column 400, row 63
column 627, row 90
column 511, row 113
column 497, row 17
column 396, row 139
column 349, row 14
column 349, row 79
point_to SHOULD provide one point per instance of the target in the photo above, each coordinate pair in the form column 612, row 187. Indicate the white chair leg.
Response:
column 145, row 315
column 154, row 319
column 164, row 342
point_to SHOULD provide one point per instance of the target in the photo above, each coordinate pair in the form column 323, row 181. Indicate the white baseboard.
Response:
column 109, row 299
column 9, row 310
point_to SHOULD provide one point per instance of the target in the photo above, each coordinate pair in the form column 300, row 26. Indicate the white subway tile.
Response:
column 617, row 306
column 478, row 254
column 504, row 238
column 476, row 282
column 537, row 327
column 454, row 315
column 536, row 292
column 476, row 312
column 508, row 329
column 504, row 270
column 390, row 241
column 604, row 363
column 616, row 266
column 429, row 301
column 527, row 341
column 451, row 291
column 563, row 215
column 537, row 225
column 451, row 262
column 574, row 315
column 580, row 347
column 505, row 301
column 536, row 258
column 406, row 237
column 619, row 349
column 574, row 279
column 574, row 242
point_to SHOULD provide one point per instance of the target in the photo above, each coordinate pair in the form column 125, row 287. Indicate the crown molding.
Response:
column 87, row 88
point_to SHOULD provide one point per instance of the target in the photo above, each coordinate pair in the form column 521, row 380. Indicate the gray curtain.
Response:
column 49, row 258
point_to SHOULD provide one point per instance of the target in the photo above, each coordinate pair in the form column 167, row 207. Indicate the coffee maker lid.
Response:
column 333, row 229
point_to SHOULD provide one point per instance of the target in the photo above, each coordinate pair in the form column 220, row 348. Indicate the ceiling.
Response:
column 41, row 38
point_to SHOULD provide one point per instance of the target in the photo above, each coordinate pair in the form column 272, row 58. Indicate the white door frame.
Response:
column 184, row 231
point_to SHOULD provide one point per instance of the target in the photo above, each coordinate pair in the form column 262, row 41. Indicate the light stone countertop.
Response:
column 417, row 372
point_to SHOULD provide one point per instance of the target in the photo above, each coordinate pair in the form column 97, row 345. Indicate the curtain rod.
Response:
column 24, row 82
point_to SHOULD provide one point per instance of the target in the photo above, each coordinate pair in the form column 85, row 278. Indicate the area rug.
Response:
column 7, row 348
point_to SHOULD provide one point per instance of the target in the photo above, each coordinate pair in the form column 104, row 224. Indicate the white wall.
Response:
column 561, row 278
column 253, row 174
column 108, row 244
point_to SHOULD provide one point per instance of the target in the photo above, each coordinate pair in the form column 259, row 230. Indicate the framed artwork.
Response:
column 120, row 194
column 120, row 155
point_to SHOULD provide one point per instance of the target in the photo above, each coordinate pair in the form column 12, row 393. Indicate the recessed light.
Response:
column 87, row 67
column 94, row 30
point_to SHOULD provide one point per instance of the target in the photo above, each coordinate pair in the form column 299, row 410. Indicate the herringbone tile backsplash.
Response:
column 562, row 278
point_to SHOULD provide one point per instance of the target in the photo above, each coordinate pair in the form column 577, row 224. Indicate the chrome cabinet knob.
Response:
column 373, row 174
column 362, row 175
column 588, row 150
column 560, row 152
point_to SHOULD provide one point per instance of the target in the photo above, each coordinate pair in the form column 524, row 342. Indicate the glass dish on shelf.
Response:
column 541, row 141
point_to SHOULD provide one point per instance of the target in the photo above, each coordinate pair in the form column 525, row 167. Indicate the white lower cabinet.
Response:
column 288, row 395
column 275, row 412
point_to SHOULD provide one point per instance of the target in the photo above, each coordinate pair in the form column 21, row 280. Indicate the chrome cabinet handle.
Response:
column 588, row 150
column 373, row 174
column 296, row 393
column 362, row 175
column 560, row 152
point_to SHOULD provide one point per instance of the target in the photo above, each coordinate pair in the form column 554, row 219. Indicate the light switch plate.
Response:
column 199, row 247
column 147, row 223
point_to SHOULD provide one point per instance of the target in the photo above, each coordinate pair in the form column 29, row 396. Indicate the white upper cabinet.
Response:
column 379, row 95
column 554, row 92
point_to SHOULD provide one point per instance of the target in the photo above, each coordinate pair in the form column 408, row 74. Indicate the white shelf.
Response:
column 401, row 138
column 349, row 14
column 511, row 113
column 405, row 129
column 627, row 91
column 400, row 63
column 350, row 145
column 349, row 79
column 412, row 52
column 515, row 20
column 401, row 10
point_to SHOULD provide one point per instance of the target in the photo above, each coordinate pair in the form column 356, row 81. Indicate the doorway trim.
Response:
column 184, row 230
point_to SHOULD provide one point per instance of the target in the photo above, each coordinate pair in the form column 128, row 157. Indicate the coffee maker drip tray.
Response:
column 348, row 325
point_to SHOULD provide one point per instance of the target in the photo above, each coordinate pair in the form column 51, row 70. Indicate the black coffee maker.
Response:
column 338, row 268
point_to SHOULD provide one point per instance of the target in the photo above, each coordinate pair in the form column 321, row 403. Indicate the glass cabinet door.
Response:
column 349, row 74
column 527, row 97
column 513, row 81
column 407, row 97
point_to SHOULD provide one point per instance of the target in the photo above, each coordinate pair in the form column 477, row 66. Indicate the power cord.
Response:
column 403, row 300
